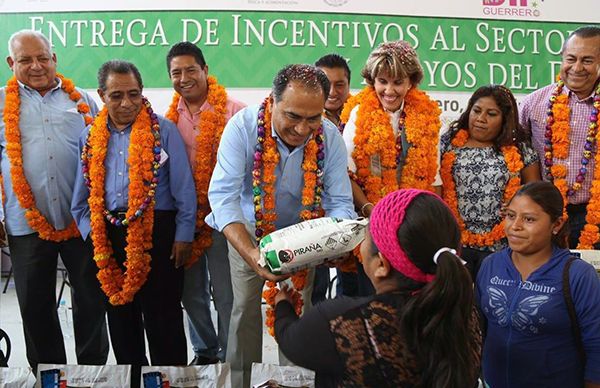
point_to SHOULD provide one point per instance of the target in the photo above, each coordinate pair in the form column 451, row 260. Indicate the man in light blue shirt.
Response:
column 299, row 94
column 156, row 306
column 48, row 126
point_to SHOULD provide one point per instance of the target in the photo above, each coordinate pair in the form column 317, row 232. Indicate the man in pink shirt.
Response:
column 201, row 108
column 577, row 93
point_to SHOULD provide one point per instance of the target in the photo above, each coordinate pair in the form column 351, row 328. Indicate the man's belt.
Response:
column 119, row 214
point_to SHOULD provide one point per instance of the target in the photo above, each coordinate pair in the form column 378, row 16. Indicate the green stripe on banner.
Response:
column 245, row 49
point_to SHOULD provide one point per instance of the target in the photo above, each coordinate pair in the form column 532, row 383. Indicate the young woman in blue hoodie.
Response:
column 529, row 339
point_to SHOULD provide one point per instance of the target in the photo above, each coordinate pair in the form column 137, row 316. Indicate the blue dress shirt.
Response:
column 50, row 128
column 175, row 190
column 230, row 191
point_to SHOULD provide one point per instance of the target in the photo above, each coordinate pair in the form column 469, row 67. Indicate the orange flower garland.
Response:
column 590, row 235
column 270, row 159
column 349, row 105
column 514, row 163
column 211, row 125
column 349, row 264
column 557, row 144
column 560, row 145
column 561, row 129
column 422, row 132
column 375, row 136
column 21, row 188
column 118, row 286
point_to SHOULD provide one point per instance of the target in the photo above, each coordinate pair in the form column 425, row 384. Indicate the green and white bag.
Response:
column 310, row 243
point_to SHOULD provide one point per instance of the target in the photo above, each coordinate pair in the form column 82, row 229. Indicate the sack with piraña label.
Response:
column 310, row 243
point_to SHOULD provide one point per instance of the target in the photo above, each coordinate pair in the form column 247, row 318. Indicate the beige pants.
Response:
column 246, row 326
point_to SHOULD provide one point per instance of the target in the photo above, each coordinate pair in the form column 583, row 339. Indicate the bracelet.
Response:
column 362, row 209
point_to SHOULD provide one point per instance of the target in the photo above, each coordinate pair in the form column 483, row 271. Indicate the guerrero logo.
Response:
column 521, row 8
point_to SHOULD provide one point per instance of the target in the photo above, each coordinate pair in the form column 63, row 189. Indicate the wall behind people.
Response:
column 462, row 45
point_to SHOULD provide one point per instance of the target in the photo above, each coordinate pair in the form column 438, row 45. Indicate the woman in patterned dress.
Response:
column 486, row 157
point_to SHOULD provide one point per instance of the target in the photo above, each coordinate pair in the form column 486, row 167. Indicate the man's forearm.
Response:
column 238, row 236
column 242, row 242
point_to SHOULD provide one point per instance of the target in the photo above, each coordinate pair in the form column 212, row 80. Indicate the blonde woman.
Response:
column 392, row 131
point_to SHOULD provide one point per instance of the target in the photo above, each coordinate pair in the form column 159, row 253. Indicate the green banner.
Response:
column 245, row 49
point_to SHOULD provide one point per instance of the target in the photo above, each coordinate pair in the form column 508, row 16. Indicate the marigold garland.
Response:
column 556, row 146
column 263, row 180
column 350, row 104
column 375, row 136
column 144, row 138
column 211, row 125
column 514, row 164
column 21, row 188
column 556, row 140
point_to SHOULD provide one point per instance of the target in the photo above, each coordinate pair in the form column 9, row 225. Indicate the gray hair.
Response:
column 117, row 66
column 24, row 33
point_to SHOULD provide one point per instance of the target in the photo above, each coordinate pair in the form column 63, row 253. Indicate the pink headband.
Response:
column 386, row 218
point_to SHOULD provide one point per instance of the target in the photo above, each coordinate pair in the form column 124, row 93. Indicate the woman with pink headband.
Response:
column 420, row 329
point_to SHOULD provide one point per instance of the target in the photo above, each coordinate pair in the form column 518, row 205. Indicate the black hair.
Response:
column 548, row 197
column 334, row 61
column 438, row 322
column 119, row 67
column 308, row 75
column 582, row 32
column 512, row 132
column 185, row 48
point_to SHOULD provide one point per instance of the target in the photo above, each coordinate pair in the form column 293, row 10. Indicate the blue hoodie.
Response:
column 529, row 342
